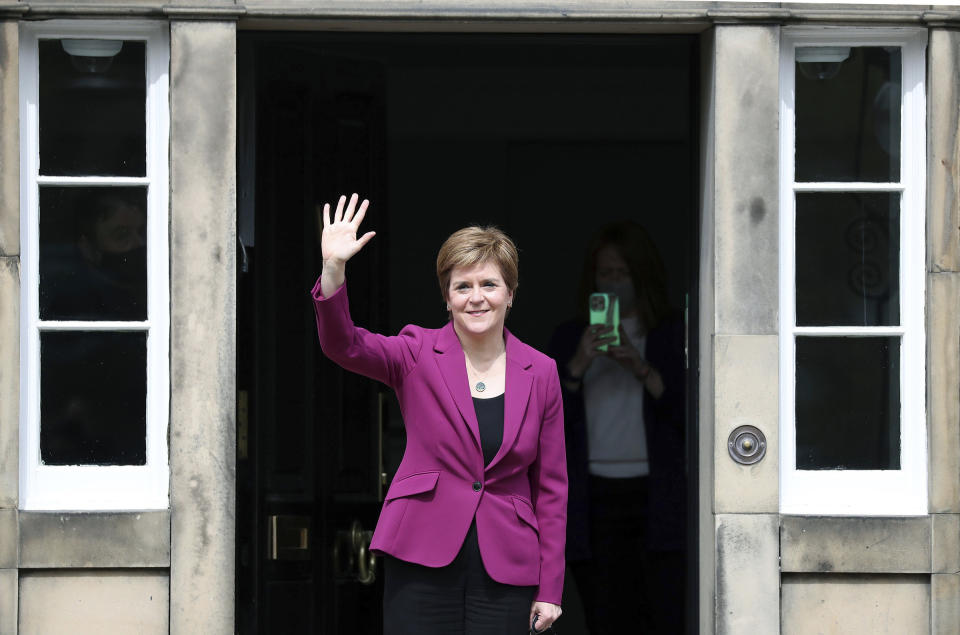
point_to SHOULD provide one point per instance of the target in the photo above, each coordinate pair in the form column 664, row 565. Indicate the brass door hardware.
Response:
column 288, row 537
column 352, row 557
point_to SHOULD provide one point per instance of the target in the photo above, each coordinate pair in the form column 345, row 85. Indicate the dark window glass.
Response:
column 93, row 254
column 93, row 108
column 848, row 259
column 93, row 391
column 848, row 114
column 848, row 403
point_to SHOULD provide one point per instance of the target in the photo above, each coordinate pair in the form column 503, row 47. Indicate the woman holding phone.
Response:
column 473, row 525
column 624, row 410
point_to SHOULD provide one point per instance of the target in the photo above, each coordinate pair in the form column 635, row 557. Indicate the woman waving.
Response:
column 472, row 527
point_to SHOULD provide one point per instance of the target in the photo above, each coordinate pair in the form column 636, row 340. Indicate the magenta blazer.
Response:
column 519, row 500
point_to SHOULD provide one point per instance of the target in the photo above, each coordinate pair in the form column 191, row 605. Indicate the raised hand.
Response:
column 593, row 336
column 628, row 356
column 631, row 359
column 339, row 242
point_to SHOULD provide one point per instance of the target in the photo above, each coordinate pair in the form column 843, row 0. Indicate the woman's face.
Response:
column 478, row 299
column 611, row 267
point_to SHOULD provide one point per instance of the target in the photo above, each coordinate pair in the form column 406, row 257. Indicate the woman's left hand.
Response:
column 631, row 359
column 545, row 615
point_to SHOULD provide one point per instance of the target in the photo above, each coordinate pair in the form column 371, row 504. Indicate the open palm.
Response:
column 338, row 240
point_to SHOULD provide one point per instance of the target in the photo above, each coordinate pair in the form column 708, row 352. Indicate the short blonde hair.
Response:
column 474, row 245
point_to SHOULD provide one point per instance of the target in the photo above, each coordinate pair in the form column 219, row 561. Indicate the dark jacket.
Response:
column 664, row 420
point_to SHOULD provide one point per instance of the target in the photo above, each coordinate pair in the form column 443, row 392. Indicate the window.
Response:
column 852, row 139
column 95, row 298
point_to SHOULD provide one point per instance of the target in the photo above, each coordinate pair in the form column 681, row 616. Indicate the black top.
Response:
column 490, row 418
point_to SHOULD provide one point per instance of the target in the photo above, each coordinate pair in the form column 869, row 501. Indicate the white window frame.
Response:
column 900, row 492
column 95, row 487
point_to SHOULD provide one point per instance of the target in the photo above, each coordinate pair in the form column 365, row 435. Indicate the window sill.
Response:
column 94, row 539
column 921, row 544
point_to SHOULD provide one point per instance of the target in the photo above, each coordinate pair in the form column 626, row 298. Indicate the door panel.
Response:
column 313, row 467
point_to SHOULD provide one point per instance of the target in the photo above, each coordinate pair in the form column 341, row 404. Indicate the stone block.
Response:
column 944, row 604
column 746, row 371
column 94, row 539
column 8, row 601
column 94, row 602
column 10, row 139
column 9, row 380
column 9, row 531
column 943, row 143
column 203, row 346
column 814, row 604
column 945, row 548
column 746, row 184
column 748, row 575
column 706, row 535
column 138, row 3
column 943, row 386
column 855, row 545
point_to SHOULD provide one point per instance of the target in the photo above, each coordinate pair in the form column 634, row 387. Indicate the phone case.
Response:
column 605, row 310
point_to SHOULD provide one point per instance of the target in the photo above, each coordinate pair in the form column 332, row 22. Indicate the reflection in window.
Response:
column 848, row 403
column 848, row 114
column 93, row 398
column 92, row 108
column 93, row 254
column 848, row 250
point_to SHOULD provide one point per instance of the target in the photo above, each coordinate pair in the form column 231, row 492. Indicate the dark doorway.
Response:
column 548, row 137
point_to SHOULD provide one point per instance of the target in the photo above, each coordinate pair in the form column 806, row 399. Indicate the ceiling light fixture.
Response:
column 92, row 56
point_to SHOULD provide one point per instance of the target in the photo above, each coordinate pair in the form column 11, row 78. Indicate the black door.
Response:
column 310, row 435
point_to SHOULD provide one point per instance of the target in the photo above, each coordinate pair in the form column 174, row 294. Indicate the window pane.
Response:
column 93, row 389
column 93, row 254
column 848, row 114
column 848, row 403
column 848, row 259
column 93, row 108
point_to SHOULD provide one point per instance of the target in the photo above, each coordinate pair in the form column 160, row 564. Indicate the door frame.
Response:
column 700, row 450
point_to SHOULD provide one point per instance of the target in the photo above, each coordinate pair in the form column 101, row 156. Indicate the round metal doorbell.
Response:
column 747, row 445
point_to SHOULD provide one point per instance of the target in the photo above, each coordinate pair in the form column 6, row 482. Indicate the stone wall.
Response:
column 103, row 572
column 906, row 568
column 943, row 322
column 9, row 320
column 202, row 324
column 745, row 93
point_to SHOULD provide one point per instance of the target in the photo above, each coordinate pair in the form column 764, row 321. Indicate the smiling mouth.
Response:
column 477, row 313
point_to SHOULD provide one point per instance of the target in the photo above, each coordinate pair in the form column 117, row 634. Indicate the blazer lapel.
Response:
column 453, row 369
column 519, row 381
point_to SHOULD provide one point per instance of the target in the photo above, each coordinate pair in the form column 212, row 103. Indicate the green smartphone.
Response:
column 605, row 311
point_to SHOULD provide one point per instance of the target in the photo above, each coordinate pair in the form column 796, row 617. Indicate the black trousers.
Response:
column 459, row 599
column 627, row 587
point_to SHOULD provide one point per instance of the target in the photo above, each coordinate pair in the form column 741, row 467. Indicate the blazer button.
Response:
column 477, row 486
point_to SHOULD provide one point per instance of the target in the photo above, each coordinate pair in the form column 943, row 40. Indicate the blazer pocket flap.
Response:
column 525, row 512
column 413, row 484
